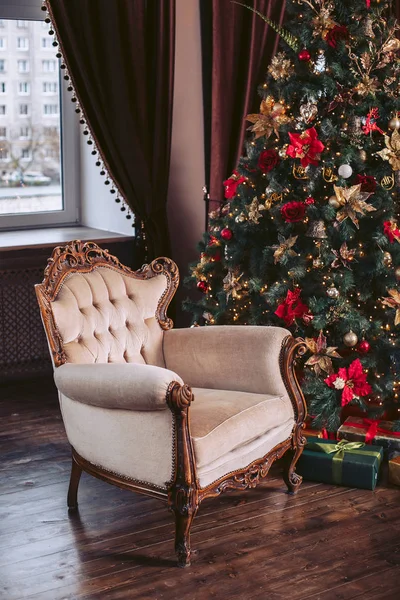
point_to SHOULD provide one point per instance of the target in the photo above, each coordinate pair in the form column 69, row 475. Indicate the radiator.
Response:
column 23, row 346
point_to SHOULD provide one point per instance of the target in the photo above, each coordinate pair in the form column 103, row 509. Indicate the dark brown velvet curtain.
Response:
column 120, row 56
column 237, row 48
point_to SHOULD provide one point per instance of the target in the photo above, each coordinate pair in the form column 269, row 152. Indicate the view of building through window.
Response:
column 30, row 151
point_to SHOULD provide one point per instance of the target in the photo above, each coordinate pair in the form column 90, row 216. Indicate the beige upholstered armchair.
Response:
column 180, row 415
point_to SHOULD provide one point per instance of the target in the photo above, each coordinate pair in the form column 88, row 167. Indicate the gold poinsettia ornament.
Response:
column 281, row 67
column 343, row 256
column 323, row 22
column 270, row 119
column 322, row 354
column 285, row 247
column 352, row 202
column 232, row 284
column 393, row 302
column 392, row 150
column 254, row 208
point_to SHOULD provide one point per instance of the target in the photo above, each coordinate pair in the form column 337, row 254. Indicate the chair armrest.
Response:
column 128, row 386
column 229, row 357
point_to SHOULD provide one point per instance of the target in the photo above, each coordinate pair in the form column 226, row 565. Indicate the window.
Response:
column 24, row 88
column 48, row 66
column 51, row 153
column 3, row 43
column 24, row 110
column 24, row 133
column 23, row 43
column 47, row 43
column 23, row 66
column 50, row 131
column 3, row 87
column 50, row 109
column 39, row 129
column 50, row 87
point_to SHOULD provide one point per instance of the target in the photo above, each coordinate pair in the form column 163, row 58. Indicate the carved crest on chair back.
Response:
column 84, row 257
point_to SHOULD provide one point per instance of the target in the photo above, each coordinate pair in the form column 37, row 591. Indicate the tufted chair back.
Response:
column 97, row 310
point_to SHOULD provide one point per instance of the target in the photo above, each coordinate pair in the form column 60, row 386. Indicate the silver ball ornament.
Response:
column 334, row 202
column 345, row 171
column 394, row 123
column 350, row 339
column 332, row 292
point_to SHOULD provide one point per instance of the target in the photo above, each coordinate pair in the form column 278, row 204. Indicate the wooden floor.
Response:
column 325, row 543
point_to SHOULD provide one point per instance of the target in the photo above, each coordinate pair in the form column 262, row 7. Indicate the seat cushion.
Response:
column 222, row 421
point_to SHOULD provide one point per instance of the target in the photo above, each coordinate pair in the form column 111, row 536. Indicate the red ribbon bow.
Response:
column 373, row 429
column 370, row 124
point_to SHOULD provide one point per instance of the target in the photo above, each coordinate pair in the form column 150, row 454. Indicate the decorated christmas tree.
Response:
column 309, row 235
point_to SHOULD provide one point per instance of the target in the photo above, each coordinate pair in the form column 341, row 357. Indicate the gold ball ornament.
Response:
column 387, row 259
column 394, row 123
column 397, row 273
column 240, row 218
column 283, row 151
column 363, row 155
column 332, row 292
column 334, row 202
column 350, row 339
column 318, row 263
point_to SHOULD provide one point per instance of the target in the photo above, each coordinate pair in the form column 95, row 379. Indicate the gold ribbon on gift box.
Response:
column 339, row 451
column 394, row 470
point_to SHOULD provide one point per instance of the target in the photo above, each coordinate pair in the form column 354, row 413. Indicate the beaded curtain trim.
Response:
column 96, row 151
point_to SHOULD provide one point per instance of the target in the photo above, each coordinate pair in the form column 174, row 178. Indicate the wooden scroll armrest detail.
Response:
column 292, row 349
column 183, row 498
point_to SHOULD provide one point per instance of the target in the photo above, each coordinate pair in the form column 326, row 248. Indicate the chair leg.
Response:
column 290, row 477
column 183, row 523
column 72, row 498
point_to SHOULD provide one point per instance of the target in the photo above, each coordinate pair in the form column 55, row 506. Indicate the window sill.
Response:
column 27, row 239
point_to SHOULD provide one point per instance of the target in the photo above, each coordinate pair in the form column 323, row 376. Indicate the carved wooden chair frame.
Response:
column 184, row 493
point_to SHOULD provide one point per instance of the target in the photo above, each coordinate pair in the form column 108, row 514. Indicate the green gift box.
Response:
column 354, row 464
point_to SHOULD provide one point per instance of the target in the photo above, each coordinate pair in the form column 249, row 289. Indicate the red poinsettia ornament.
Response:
column 336, row 34
column 305, row 146
column 231, row 184
column 391, row 231
column 368, row 183
column 292, row 308
column 352, row 380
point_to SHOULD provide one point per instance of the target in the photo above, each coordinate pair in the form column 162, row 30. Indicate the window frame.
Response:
column 26, row 84
column 69, row 139
column 23, row 61
column 25, row 46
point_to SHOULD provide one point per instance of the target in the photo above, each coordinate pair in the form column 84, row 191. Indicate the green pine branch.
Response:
column 290, row 39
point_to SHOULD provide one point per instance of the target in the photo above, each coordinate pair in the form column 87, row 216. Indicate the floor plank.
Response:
column 328, row 542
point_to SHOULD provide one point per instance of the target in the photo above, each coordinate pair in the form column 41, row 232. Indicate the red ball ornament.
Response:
column 226, row 234
column 364, row 347
column 309, row 200
column 202, row 286
column 217, row 257
column 304, row 55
